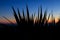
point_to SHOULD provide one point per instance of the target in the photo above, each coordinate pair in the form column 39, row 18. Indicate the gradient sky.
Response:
column 6, row 10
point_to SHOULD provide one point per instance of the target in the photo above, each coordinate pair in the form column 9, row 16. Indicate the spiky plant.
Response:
column 15, row 15
column 47, row 19
column 19, row 15
column 27, row 12
column 23, row 14
column 38, row 13
column 41, row 22
column 41, row 14
column 44, row 17
column 32, row 17
column 53, row 20
column 48, row 16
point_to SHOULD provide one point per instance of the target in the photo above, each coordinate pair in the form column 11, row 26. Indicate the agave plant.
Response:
column 41, row 18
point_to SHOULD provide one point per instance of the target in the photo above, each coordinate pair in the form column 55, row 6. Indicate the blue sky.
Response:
column 6, row 10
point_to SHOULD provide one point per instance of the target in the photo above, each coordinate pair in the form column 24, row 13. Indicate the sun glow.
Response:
column 49, row 21
column 35, row 20
column 56, row 20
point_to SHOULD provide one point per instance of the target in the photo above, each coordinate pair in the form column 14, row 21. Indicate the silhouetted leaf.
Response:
column 27, row 12
column 15, row 15
column 23, row 14
column 41, row 14
column 19, row 15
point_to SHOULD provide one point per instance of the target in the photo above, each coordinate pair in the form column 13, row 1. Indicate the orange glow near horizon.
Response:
column 49, row 21
column 7, row 22
column 56, row 20
column 35, row 20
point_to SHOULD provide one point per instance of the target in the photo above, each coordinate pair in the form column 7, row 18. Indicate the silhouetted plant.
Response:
column 27, row 12
column 48, row 16
column 44, row 17
column 41, row 22
column 32, row 17
column 41, row 15
column 23, row 15
column 38, row 13
column 15, row 15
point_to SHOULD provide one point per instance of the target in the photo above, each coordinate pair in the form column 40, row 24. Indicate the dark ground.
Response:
column 30, row 33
